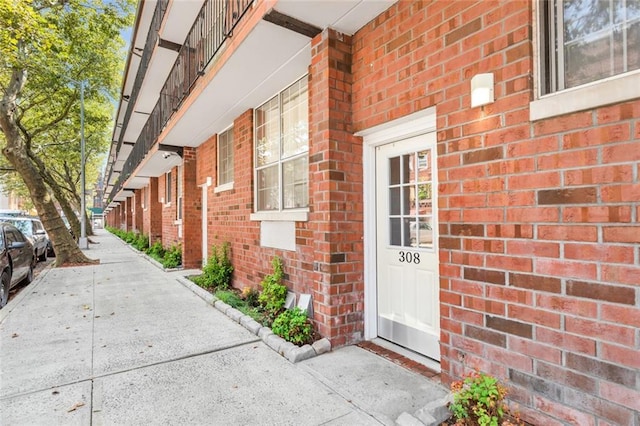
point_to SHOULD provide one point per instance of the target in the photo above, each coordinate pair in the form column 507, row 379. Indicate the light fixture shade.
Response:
column 481, row 89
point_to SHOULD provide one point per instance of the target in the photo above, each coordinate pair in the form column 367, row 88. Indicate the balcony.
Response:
column 213, row 25
column 223, row 69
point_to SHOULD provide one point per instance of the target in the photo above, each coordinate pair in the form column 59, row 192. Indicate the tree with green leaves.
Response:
column 47, row 48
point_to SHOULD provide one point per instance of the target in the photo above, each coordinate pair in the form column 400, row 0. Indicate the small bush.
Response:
column 217, row 272
column 478, row 399
column 294, row 326
column 172, row 257
column 274, row 293
column 141, row 242
column 156, row 251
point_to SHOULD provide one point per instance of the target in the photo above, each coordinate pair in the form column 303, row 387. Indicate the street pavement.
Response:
column 124, row 343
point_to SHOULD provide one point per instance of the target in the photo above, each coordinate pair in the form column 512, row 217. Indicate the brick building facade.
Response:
column 529, row 204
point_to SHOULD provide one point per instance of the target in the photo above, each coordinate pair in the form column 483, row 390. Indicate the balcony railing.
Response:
column 215, row 23
column 145, row 58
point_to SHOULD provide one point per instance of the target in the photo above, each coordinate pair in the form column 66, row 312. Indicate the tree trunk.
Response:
column 67, row 251
column 59, row 193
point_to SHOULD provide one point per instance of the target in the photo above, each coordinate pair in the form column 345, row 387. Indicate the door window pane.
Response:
column 395, row 231
column 407, row 168
column 394, row 171
column 394, row 201
column 410, row 200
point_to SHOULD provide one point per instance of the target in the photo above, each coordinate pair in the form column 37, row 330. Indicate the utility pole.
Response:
column 83, row 242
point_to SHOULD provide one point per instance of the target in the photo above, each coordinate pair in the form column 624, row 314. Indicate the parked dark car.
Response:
column 32, row 228
column 16, row 260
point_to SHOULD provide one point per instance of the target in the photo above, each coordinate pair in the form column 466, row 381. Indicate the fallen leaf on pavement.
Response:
column 75, row 406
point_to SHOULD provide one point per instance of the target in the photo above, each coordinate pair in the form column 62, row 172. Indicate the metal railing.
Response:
column 214, row 24
column 145, row 58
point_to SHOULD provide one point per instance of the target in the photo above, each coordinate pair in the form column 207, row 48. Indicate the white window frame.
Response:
column 228, row 136
column 299, row 214
column 179, row 192
column 167, row 188
column 614, row 89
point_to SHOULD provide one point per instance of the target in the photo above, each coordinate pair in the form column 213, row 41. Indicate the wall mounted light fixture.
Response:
column 481, row 89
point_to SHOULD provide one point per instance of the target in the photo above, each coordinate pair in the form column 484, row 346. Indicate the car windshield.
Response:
column 23, row 225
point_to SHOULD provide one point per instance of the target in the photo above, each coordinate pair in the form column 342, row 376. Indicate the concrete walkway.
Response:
column 123, row 342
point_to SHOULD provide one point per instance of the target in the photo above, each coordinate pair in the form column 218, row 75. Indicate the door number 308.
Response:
column 409, row 257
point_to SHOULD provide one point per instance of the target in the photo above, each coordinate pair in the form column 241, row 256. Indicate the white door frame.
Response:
column 415, row 124
column 205, row 234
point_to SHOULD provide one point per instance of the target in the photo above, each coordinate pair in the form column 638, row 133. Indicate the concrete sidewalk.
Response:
column 123, row 342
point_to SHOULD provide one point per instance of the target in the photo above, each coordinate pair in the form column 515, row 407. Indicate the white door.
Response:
column 205, row 244
column 407, row 252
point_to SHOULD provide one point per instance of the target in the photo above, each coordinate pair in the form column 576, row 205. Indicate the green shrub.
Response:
column 294, row 326
column 478, row 399
column 172, row 257
column 217, row 272
column 141, row 242
column 274, row 293
column 156, row 251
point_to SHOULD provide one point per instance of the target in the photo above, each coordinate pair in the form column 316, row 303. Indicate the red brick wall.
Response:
column 538, row 221
column 169, row 227
column 137, row 210
column 154, row 212
column 335, row 180
column 229, row 216
column 192, row 214
column 128, row 214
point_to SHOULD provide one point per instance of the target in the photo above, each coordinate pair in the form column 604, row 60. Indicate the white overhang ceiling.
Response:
column 270, row 58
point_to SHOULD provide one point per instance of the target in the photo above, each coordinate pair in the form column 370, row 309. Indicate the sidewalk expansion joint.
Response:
column 180, row 358
column 140, row 367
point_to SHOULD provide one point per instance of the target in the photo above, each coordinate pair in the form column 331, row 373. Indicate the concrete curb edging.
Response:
column 286, row 349
column 432, row 414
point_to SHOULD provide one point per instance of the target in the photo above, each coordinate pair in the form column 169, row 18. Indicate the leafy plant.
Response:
column 230, row 297
column 172, row 257
column 294, row 326
column 141, row 242
column 478, row 399
column 274, row 293
column 156, row 251
column 217, row 272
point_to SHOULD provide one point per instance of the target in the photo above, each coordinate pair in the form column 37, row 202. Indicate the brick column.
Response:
column 191, row 211
column 122, row 220
column 153, row 214
column 128, row 214
column 335, row 180
column 137, row 211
